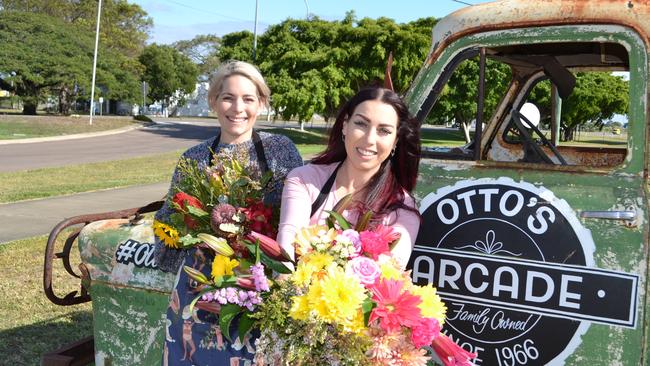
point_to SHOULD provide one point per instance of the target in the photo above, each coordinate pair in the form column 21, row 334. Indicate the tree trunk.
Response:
column 64, row 100
column 29, row 108
column 464, row 126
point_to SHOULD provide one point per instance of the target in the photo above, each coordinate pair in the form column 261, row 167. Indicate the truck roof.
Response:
column 508, row 14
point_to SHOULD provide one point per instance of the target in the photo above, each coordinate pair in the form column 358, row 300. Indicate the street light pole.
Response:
column 92, row 87
column 255, row 32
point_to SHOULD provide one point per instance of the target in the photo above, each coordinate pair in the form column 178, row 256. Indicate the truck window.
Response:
column 547, row 103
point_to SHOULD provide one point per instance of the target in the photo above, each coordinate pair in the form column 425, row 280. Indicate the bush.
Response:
column 142, row 117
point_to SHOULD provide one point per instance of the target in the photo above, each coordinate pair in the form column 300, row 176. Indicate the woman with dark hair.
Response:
column 373, row 155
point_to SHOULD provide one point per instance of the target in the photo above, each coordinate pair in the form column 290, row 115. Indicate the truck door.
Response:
column 535, row 232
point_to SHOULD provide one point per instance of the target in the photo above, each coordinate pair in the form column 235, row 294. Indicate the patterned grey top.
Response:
column 281, row 155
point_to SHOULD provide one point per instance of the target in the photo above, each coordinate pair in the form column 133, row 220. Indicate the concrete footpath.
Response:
column 36, row 217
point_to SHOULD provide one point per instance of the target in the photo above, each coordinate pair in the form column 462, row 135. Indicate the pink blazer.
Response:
column 301, row 188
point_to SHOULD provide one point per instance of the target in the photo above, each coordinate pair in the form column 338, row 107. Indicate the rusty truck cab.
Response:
column 536, row 234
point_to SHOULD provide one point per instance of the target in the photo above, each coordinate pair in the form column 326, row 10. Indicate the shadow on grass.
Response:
column 26, row 344
column 308, row 137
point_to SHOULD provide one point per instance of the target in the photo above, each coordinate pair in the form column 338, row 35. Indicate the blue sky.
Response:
column 183, row 19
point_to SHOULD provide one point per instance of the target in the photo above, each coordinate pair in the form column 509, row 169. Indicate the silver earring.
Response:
column 392, row 153
column 343, row 138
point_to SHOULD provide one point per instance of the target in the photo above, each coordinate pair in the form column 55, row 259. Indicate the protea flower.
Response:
column 223, row 220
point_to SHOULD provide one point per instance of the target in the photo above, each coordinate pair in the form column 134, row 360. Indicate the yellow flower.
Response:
column 299, row 308
column 302, row 275
column 316, row 301
column 167, row 234
column 390, row 271
column 313, row 236
column 342, row 295
column 319, row 260
column 431, row 305
column 222, row 266
column 356, row 324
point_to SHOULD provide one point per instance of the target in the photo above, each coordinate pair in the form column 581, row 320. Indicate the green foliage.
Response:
column 236, row 46
column 42, row 55
column 202, row 50
column 595, row 99
column 166, row 70
column 124, row 26
column 312, row 66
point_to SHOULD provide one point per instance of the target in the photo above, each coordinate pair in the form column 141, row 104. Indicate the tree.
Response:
column 42, row 55
column 236, row 46
column 202, row 50
column 124, row 26
column 313, row 65
column 596, row 98
column 167, row 71
column 458, row 100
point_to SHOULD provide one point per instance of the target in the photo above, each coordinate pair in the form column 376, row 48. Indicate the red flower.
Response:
column 373, row 244
column 259, row 218
column 450, row 353
column 395, row 308
column 184, row 200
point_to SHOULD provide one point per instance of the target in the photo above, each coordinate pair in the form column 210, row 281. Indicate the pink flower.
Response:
column 353, row 237
column 394, row 307
column 387, row 234
column 450, row 353
column 423, row 333
column 365, row 269
column 373, row 244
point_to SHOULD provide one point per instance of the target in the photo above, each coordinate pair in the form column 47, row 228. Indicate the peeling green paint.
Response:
column 129, row 301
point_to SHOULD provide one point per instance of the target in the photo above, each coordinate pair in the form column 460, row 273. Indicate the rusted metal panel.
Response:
column 513, row 14
column 129, row 293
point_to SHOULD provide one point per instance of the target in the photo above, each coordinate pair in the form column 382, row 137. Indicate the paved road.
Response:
column 30, row 218
column 161, row 137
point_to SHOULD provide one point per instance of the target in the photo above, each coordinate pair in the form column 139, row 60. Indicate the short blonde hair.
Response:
column 244, row 69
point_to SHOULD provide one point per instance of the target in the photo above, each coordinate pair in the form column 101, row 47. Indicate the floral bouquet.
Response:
column 349, row 303
column 220, row 209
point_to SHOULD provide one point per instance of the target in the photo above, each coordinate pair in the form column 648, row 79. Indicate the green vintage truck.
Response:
column 538, row 246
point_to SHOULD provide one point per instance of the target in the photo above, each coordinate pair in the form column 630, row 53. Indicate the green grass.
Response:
column 309, row 142
column 48, row 182
column 438, row 137
column 30, row 324
column 20, row 127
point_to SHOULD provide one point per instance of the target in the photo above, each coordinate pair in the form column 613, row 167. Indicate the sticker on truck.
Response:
column 516, row 270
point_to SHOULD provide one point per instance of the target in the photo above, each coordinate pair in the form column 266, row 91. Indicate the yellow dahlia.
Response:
column 299, row 308
column 431, row 305
column 342, row 295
